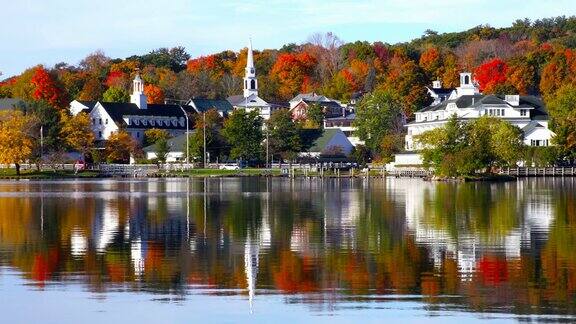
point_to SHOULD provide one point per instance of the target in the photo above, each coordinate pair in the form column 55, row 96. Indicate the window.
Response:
column 502, row 112
column 138, row 134
column 523, row 112
column 99, row 134
column 100, row 121
column 93, row 121
column 466, row 80
column 253, row 84
column 106, row 121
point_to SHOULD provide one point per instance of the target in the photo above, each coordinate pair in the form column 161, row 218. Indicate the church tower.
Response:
column 138, row 97
column 250, row 82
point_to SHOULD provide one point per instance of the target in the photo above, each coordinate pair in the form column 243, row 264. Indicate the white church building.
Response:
column 250, row 100
column 466, row 102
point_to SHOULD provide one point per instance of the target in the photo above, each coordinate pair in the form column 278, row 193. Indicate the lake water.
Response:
column 287, row 251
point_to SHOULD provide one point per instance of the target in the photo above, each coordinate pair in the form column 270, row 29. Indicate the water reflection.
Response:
column 506, row 247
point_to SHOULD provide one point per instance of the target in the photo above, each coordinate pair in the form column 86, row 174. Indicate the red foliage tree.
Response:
column 116, row 79
column 154, row 93
column 45, row 88
column 491, row 74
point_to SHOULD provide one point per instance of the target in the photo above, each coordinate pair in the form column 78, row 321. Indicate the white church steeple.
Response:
column 250, row 81
column 138, row 97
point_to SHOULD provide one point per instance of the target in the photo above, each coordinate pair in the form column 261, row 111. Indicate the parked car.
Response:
column 229, row 166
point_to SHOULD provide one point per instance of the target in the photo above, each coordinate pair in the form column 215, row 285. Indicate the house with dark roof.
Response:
column 310, row 97
column 327, row 142
column 329, row 108
column 136, row 116
column 202, row 105
column 466, row 102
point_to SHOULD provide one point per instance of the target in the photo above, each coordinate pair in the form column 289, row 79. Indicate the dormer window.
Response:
column 144, row 122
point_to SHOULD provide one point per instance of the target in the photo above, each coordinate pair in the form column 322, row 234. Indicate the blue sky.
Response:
column 48, row 32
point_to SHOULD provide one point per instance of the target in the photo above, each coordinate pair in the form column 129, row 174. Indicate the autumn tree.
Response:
column 76, row 132
column 120, row 146
column 293, row 73
column 243, row 130
column 561, row 69
column 408, row 82
column 92, row 90
column 16, row 138
column 158, row 138
column 154, row 94
column 45, row 88
column 562, row 109
column 115, row 94
column 491, row 74
column 49, row 124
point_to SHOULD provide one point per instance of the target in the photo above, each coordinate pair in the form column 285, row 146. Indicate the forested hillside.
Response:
column 530, row 57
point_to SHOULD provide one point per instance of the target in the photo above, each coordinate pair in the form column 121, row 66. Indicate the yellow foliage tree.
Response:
column 119, row 146
column 76, row 132
column 16, row 140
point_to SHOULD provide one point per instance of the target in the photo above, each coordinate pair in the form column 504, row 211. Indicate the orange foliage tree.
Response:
column 491, row 74
column 292, row 71
column 154, row 94
column 559, row 70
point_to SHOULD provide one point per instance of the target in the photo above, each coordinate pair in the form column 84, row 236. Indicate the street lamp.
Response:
column 204, row 124
column 187, row 138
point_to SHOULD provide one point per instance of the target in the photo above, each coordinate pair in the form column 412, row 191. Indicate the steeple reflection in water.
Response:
column 330, row 245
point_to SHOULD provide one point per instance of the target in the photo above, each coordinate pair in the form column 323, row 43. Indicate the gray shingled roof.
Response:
column 203, row 105
column 117, row 110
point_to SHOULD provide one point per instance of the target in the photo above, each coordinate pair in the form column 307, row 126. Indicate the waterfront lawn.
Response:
column 46, row 174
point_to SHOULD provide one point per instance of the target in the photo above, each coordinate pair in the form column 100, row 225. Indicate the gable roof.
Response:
column 310, row 97
column 202, row 105
column 316, row 140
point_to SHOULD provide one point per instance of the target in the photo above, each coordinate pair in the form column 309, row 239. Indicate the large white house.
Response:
column 137, row 116
column 250, row 100
column 466, row 102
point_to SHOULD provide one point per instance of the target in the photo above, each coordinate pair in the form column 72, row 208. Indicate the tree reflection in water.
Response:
column 501, row 247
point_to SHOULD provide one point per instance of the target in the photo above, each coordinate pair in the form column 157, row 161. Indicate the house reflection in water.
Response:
column 319, row 242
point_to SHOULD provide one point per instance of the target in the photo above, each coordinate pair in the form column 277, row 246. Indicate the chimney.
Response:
column 437, row 84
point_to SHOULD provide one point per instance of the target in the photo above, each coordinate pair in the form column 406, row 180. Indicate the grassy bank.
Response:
column 46, row 174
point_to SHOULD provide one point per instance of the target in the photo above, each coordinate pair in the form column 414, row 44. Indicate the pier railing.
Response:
column 540, row 172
